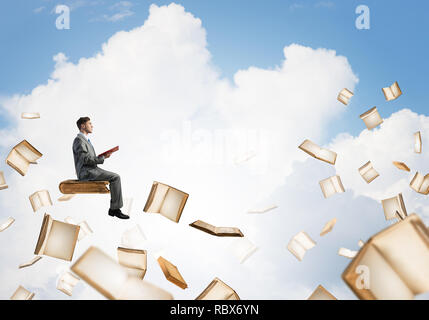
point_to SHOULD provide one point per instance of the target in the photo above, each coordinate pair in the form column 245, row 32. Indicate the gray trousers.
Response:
column 114, row 179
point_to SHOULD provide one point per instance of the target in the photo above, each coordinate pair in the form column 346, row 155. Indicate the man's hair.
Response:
column 81, row 121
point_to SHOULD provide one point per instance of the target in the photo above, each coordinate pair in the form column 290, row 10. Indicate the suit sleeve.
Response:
column 82, row 151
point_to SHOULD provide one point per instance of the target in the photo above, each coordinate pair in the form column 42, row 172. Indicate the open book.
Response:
column 393, row 264
column 317, row 152
column 112, row 280
column 40, row 199
column 218, row 290
column 299, row 245
column 393, row 92
column 57, row 239
column 21, row 156
column 134, row 261
column 22, row 294
column 344, row 252
column 30, row 115
column 242, row 248
column 66, row 282
column 331, row 186
column 321, row 294
column 166, row 200
column 29, row 263
column 371, row 118
column 216, row 231
column 394, row 208
column 6, row 224
column 420, row 183
column 171, row 273
column 344, row 96
column 401, row 166
column 417, row 142
column 328, row 227
column 109, row 151
column 3, row 184
column 368, row 172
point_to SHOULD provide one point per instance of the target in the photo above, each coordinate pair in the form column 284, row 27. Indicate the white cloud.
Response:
column 143, row 92
column 119, row 11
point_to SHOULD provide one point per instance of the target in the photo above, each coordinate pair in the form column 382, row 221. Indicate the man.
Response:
column 86, row 161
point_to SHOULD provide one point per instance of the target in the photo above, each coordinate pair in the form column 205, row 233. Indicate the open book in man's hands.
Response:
column 109, row 151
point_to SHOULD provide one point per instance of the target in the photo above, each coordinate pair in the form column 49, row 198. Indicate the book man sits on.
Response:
column 86, row 161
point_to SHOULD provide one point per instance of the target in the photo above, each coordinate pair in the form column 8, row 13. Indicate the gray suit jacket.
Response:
column 85, row 158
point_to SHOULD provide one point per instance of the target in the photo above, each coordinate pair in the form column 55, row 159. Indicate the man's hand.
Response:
column 107, row 155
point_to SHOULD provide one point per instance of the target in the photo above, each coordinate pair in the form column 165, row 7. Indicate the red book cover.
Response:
column 108, row 151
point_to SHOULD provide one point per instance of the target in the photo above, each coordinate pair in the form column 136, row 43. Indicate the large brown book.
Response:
column 321, row 294
column 171, row 273
column 218, row 290
column 216, row 231
column 166, row 200
column 112, row 280
column 393, row 264
column 57, row 239
column 21, row 156
column 134, row 260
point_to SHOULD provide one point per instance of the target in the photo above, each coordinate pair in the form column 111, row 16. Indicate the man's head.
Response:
column 84, row 124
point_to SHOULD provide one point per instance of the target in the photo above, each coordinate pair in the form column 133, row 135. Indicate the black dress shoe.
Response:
column 118, row 213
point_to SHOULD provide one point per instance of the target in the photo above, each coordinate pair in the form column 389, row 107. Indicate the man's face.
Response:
column 87, row 127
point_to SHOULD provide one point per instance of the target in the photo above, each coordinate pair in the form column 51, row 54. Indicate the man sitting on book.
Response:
column 86, row 161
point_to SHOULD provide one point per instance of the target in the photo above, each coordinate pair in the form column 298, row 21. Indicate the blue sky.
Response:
column 240, row 34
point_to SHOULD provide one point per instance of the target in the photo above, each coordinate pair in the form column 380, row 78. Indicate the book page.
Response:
column 158, row 198
column 405, row 248
column 171, row 207
column 61, row 240
column 6, row 224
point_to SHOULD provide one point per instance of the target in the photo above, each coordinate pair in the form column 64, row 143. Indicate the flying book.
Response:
column 112, row 280
column 344, row 96
column 66, row 197
column 299, row 245
column 393, row 207
column 3, row 184
column 344, row 252
column 40, row 199
column 417, row 142
column 368, row 172
column 269, row 208
column 166, row 200
column 21, row 156
column 401, row 166
column 85, row 229
column 243, row 248
column 321, row 294
column 22, row 294
column 216, row 231
column 218, row 290
column 331, row 186
column 57, row 239
column 109, row 151
column 393, row 92
column 393, row 264
column 66, row 283
column 30, row 115
column 328, row 227
column 317, row 152
column 420, row 183
column 134, row 260
column 6, row 224
column 133, row 238
column 29, row 263
column 371, row 118
column 171, row 273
